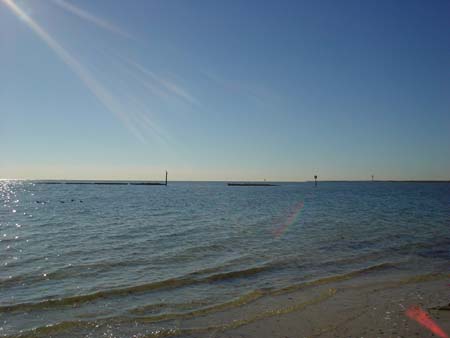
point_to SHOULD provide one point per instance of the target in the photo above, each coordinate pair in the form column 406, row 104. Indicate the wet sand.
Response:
column 362, row 307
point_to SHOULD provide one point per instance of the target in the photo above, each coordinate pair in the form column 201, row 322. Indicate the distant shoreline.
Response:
column 231, row 183
column 148, row 182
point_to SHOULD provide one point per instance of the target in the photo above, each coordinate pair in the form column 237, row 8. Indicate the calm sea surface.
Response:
column 89, row 260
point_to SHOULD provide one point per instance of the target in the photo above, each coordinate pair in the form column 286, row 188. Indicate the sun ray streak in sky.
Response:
column 82, row 14
column 169, row 86
column 95, row 87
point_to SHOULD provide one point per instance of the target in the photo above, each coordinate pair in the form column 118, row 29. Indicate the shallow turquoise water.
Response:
column 101, row 253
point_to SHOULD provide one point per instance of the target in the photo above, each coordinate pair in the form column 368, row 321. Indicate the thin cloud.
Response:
column 85, row 15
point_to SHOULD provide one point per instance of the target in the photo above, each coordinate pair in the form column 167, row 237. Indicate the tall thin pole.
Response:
column 166, row 177
column 372, row 178
column 315, row 180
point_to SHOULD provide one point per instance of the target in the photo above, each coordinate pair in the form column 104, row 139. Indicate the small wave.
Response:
column 245, row 321
column 45, row 331
column 15, row 280
column 85, row 298
column 61, row 327
column 141, row 310
column 68, row 271
column 142, row 288
column 336, row 278
column 242, row 300
column 178, row 282
column 237, row 274
column 53, row 329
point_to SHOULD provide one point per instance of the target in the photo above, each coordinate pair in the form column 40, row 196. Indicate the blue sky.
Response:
column 232, row 90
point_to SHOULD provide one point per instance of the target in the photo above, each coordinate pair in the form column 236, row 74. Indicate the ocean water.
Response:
column 95, row 260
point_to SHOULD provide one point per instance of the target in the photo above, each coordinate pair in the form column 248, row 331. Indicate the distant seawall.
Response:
column 103, row 183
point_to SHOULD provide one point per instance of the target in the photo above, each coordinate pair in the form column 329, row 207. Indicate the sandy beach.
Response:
column 362, row 307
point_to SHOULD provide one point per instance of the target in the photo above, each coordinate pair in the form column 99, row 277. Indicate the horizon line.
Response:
column 240, row 180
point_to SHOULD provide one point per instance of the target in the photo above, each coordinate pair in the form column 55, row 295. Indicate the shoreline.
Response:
column 372, row 304
column 366, row 306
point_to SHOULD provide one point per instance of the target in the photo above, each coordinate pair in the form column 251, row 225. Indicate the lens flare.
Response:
column 290, row 219
column 424, row 319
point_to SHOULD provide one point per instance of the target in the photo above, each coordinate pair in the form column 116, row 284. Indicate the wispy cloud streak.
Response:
column 85, row 15
column 94, row 86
